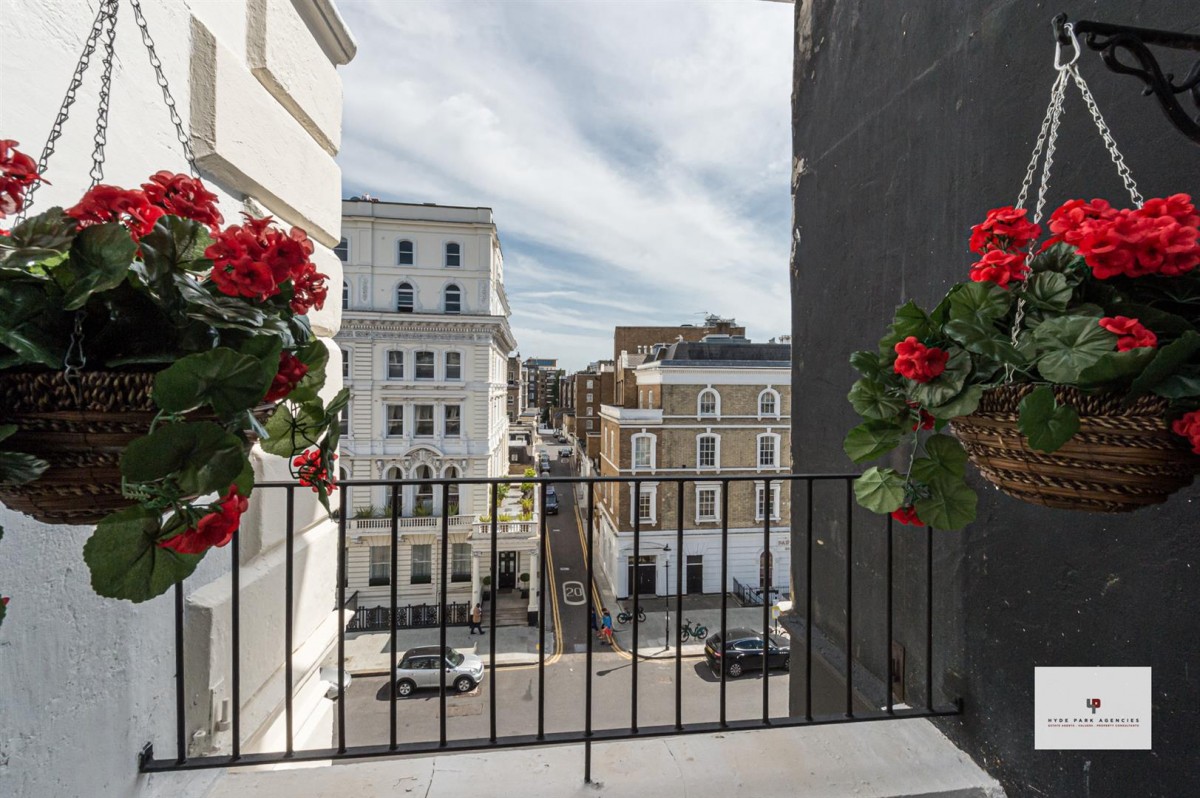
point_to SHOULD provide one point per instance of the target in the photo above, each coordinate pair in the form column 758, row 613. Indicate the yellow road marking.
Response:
column 558, row 641
column 595, row 592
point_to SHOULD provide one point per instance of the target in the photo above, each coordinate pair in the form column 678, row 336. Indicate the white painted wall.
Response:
column 86, row 682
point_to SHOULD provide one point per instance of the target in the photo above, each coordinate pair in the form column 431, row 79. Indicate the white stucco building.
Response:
column 425, row 343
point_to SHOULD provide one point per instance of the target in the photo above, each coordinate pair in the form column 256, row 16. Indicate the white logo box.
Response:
column 1091, row 708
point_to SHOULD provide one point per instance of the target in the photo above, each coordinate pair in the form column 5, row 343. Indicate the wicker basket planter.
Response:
column 1121, row 459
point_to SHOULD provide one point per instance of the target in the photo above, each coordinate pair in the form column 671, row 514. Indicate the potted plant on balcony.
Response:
column 1068, row 374
column 143, row 347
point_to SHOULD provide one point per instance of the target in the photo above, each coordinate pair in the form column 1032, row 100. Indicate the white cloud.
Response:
column 635, row 154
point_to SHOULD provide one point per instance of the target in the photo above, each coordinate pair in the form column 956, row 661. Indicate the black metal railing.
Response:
column 753, row 595
column 410, row 616
column 836, row 646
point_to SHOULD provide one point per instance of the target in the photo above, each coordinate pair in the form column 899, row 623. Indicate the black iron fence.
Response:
column 412, row 616
column 881, row 535
column 753, row 595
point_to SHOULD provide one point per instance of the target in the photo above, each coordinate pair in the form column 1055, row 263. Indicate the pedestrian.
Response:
column 606, row 632
column 477, row 619
column 595, row 625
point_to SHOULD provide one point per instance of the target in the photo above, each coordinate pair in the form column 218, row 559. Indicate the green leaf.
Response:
column 175, row 244
column 1116, row 367
column 1046, row 423
column 198, row 457
column 1182, row 385
column 880, row 490
column 872, row 400
column 984, row 339
column 982, row 303
column 867, row 364
column 1048, row 291
column 1067, row 345
column 910, row 320
column 31, row 262
column 7, row 430
column 100, row 260
column 871, row 439
column 228, row 381
column 950, row 504
column 217, row 310
column 316, row 357
column 245, row 480
column 1166, row 362
column 50, row 230
column 126, row 561
column 18, row 468
column 944, row 458
column 962, row 405
column 290, row 433
column 946, row 385
column 1059, row 258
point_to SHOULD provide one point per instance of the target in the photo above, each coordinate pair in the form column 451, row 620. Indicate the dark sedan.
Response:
column 742, row 652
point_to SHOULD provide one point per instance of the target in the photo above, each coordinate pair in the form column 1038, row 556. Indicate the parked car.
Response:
column 742, row 652
column 563, row 454
column 551, row 502
column 420, row 668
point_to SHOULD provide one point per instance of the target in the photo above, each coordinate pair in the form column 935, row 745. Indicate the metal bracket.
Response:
column 145, row 756
column 1111, row 40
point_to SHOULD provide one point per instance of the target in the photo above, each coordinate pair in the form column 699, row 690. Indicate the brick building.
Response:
column 592, row 387
column 641, row 340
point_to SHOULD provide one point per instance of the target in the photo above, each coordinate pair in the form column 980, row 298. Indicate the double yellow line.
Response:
column 579, row 526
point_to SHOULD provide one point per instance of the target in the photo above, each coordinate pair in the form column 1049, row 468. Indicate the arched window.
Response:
column 453, row 299
column 768, row 403
column 708, row 451
column 452, row 503
column 404, row 253
column 708, row 403
column 404, row 298
column 345, row 294
column 396, row 474
column 424, row 504
column 453, row 255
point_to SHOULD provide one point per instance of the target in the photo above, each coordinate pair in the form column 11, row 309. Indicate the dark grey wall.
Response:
column 911, row 120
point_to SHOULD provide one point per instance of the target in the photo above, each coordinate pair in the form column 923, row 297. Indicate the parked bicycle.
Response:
column 625, row 617
column 699, row 631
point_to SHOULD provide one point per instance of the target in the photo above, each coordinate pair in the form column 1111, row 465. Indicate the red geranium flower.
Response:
column 1161, row 237
column 1177, row 206
column 1066, row 222
column 1004, row 229
column 309, row 290
column 180, row 195
column 17, row 171
column 253, row 259
column 926, row 421
column 1188, row 426
column 1133, row 334
column 907, row 515
column 1000, row 267
column 311, row 472
column 918, row 362
column 103, row 204
column 291, row 371
column 214, row 529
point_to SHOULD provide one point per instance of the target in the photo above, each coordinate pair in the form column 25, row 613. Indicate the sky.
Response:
column 636, row 155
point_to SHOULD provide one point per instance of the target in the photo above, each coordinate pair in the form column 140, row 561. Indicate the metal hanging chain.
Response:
column 180, row 133
column 1031, row 170
column 101, row 135
column 1106, row 134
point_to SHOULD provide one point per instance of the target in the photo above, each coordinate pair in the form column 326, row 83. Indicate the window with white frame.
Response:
column 452, row 500
column 381, row 566
column 708, row 403
column 646, row 505
column 424, row 421
column 404, row 253
column 453, row 255
column 460, row 562
column 423, row 368
column 768, row 450
column 454, row 365
column 589, row 398
column 643, row 450
column 590, row 424
column 395, row 421
column 708, row 451
column 453, row 421
column 453, row 302
column 404, row 298
column 345, row 364
column 345, row 295
column 344, row 422
column 589, row 385
column 422, row 564
column 768, row 403
column 342, row 250
column 706, row 503
column 395, row 364
column 760, row 501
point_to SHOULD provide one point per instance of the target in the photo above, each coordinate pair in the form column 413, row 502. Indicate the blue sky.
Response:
column 636, row 154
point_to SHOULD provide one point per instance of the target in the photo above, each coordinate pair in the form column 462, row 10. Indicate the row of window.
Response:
column 423, row 365
column 421, row 421
column 421, row 560
column 708, row 403
column 406, row 253
column 452, row 298
column 707, row 504
column 708, row 450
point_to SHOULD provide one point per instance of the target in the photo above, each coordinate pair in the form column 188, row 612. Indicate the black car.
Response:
column 742, row 652
column 551, row 502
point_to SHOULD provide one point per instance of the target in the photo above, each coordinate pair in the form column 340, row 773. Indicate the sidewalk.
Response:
column 656, row 637
column 367, row 653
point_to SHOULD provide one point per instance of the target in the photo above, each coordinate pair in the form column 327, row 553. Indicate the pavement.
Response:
column 368, row 653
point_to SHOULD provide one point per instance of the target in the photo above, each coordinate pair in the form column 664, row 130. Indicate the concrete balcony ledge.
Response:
column 888, row 759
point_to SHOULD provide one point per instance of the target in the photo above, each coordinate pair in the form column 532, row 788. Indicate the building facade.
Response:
column 592, row 387
column 425, row 341
column 641, row 340
column 515, row 403
column 714, row 409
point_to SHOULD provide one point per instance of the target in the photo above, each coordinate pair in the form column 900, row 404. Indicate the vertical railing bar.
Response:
column 393, row 740
column 180, row 709
column 891, row 676
column 236, row 646
column 587, row 711
column 929, row 618
column 637, row 578
column 849, row 598
column 341, row 603
column 808, row 602
column 724, row 590
column 768, row 506
column 542, row 548
column 443, row 598
column 495, row 586
column 289, row 587
column 679, row 565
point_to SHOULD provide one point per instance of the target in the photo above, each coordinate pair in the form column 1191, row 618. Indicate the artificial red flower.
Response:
column 1000, row 267
column 291, row 371
column 311, row 472
column 180, row 195
column 1177, row 206
column 253, row 259
column 103, row 204
column 918, row 362
column 309, row 290
column 1188, row 426
column 17, row 171
column 1005, row 229
column 907, row 515
column 1161, row 237
column 926, row 421
column 214, row 529
column 1066, row 222
column 1133, row 334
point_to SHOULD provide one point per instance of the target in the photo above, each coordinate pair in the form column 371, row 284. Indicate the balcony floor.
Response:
column 864, row 760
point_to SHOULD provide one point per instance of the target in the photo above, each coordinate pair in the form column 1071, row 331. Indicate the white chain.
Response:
column 1037, row 147
column 1109, row 142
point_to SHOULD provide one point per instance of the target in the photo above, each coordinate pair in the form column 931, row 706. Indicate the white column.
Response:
column 476, row 587
column 534, row 565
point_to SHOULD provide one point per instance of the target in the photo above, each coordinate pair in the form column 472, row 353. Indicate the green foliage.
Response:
column 1069, row 344
column 871, row 439
column 880, row 490
column 1046, row 423
column 126, row 561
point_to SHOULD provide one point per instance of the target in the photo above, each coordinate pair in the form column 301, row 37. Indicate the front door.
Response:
column 646, row 584
column 695, row 573
column 508, row 570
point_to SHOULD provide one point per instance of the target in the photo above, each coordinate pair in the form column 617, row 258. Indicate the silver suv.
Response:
column 421, row 668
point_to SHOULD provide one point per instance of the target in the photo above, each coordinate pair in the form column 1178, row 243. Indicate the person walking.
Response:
column 606, row 629
column 595, row 623
column 477, row 619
